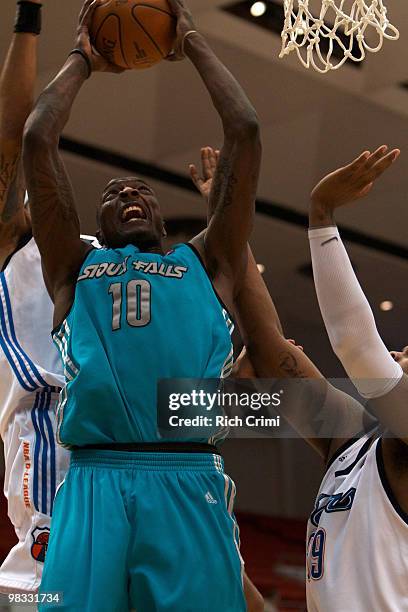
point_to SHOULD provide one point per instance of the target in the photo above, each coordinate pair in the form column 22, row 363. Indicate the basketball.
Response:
column 132, row 33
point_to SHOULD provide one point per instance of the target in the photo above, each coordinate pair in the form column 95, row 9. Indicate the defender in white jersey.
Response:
column 357, row 535
column 357, row 541
column 30, row 372
column 358, row 532
column 30, row 377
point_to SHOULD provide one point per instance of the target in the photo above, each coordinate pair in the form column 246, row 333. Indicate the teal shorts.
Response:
column 148, row 531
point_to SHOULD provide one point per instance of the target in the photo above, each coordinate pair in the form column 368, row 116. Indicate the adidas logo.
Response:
column 209, row 498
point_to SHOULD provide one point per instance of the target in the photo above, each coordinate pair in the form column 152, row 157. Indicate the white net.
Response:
column 343, row 30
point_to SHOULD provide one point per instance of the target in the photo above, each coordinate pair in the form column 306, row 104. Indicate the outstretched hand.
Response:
column 353, row 181
column 209, row 161
column 185, row 24
column 98, row 63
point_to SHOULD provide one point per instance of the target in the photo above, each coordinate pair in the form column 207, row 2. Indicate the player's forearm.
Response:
column 53, row 211
column 348, row 316
column 17, row 80
column 258, row 318
column 53, row 108
column 48, row 184
column 272, row 356
column 238, row 116
column 17, row 83
column 233, row 195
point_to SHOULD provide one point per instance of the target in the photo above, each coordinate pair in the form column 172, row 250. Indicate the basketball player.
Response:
column 30, row 371
column 149, row 524
column 357, row 544
column 371, row 481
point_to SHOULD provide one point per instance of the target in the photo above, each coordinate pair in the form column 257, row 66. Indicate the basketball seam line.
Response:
column 156, row 8
column 120, row 34
column 146, row 32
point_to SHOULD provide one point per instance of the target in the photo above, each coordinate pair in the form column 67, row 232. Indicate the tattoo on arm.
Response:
column 51, row 191
column 224, row 183
column 289, row 365
column 11, row 187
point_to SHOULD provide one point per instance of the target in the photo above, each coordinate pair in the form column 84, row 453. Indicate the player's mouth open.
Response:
column 133, row 212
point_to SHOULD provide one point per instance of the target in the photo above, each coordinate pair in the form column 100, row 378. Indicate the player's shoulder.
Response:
column 26, row 248
column 352, row 452
column 184, row 252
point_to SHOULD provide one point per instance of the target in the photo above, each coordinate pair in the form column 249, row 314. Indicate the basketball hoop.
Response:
column 339, row 32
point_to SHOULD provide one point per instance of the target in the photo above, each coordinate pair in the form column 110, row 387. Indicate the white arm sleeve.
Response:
column 348, row 317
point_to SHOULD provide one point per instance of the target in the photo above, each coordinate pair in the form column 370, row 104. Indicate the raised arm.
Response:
column 324, row 416
column 233, row 194
column 54, row 216
column 345, row 309
column 17, row 82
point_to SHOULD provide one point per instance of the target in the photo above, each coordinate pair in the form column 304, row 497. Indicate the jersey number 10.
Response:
column 138, row 303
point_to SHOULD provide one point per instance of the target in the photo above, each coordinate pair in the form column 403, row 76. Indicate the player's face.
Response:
column 401, row 357
column 129, row 213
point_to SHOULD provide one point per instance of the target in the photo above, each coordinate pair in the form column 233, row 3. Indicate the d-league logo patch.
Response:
column 40, row 543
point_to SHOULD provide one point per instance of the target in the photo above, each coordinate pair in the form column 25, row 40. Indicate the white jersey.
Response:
column 30, row 378
column 357, row 543
column 29, row 360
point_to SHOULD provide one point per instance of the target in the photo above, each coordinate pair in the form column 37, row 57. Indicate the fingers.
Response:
column 195, row 177
column 84, row 9
column 367, row 167
column 209, row 161
column 291, row 341
column 376, row 156
column 375, row 164
column 381, row 154
column 206, row 153
column 359, row 161
column 88, row 11
column 381, row 163
column 175, row 6
column 214, row 157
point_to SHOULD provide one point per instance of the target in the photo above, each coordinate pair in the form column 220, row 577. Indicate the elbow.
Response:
column 341, row 345
column 250, row 128
column 246, row 128
column 36, row 138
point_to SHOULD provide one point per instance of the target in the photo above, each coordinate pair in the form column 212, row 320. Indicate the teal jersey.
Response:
column 136, row 318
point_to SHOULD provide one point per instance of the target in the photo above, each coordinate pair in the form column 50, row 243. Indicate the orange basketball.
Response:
column 133, row 33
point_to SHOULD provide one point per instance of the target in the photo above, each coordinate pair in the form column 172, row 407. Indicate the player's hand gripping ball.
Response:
column 133, row 34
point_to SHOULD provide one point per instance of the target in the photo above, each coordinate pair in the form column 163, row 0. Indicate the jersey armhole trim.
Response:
column 18, row 248
column 200, row 259
column 56, row 329
column 386, row 485
column 347, row 445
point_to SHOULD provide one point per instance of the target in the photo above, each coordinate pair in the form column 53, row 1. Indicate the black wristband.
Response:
column 82, row 53
column 28, row 17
